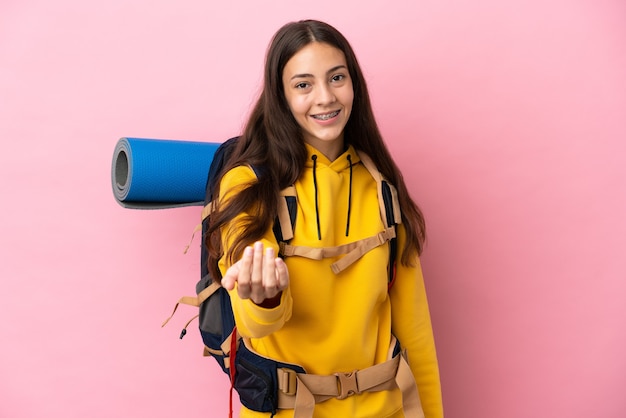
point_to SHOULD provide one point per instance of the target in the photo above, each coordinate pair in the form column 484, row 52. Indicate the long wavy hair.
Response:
column 272, row 139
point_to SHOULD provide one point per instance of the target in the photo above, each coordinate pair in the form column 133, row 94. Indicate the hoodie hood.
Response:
column 339, row 164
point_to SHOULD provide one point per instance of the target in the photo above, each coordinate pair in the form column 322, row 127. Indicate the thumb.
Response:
column 229, row 279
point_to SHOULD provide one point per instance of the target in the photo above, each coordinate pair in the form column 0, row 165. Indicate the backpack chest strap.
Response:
column 352, row 251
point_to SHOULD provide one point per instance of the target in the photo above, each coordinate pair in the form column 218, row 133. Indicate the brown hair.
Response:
column 273, row 140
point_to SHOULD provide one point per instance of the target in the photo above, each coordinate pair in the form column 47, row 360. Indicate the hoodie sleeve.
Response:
column 252, row 320
column 411, row 325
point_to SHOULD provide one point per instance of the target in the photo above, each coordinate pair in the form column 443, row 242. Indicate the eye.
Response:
column 337, row 77
column 301, row 85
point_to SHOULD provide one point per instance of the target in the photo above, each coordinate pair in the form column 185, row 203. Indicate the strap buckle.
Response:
column 347, row 384
column 287, row 381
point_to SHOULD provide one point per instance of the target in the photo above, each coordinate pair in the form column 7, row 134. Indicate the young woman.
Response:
column 312, row 128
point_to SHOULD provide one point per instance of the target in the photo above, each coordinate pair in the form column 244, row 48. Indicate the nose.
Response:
column 325, row 94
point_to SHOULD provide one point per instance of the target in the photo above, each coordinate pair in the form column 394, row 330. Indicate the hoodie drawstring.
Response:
column 317, row 212
column 349, row 198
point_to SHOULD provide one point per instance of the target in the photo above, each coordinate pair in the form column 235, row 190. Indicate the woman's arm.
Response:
column 411, row 325
column 258, row 283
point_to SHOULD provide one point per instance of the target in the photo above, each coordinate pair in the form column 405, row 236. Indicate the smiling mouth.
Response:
column 325, row 116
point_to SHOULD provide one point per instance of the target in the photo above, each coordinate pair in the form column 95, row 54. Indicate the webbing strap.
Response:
column 197, row 229
column 353, row 251
column 378, row 177
column 284, row 218
column 208, row 351
column 369, row 165
column 311, row 389
column 283, row 214
column 411, row 402
column 227, row 344
column 209, row 208
column 194, row 300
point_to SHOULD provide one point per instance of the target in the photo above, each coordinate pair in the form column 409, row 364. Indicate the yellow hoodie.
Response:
column 330, row 323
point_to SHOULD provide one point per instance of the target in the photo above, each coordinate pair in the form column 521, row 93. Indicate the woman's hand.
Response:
column 259, row 277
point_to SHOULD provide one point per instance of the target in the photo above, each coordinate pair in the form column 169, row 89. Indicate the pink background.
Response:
column 508, row 119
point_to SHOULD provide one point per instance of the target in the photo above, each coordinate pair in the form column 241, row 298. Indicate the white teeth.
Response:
column 326, row 116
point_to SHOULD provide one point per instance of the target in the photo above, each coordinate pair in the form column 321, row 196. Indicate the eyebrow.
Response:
column 335, row 68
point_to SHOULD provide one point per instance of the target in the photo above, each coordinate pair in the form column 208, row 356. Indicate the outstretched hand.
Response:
column 259, row 277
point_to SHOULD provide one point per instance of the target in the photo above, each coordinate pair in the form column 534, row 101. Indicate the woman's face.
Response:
column 318, row 89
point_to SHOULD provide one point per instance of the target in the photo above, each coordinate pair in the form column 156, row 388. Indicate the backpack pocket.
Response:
column 256, row 380
column 255, row 387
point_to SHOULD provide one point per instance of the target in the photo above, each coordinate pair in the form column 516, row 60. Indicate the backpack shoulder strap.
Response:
column 387, row 194
column 286, row 219
column 389, row 209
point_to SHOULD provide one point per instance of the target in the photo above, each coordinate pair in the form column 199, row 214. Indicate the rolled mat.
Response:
column 160, row 173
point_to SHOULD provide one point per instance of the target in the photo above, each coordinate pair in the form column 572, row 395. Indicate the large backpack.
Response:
column 254, row 377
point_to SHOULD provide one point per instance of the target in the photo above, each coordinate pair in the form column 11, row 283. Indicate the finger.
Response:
column 243, row 278
column 256, row 277
column 282, row 274
column 270, row 283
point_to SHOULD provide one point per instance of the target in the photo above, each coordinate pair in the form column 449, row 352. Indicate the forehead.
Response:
column 316, row 58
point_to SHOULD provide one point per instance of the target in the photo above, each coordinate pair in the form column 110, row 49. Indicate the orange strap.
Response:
column 194, row 300
column 378, row 177
column 301, row 391
column 353, row 251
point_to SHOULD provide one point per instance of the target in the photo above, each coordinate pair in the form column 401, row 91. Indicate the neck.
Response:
column 330, row 149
